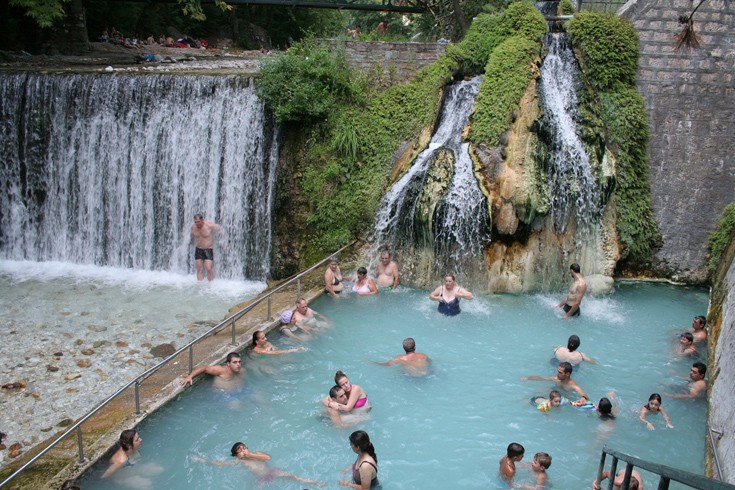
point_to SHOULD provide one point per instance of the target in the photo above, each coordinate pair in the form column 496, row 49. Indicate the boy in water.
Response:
column 539, row 465
column 508, row 462
column 555, row 401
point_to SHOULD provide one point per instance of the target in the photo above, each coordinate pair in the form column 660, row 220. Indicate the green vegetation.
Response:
column 720, row 238
column 608, row 52
column 511, row 68
column 609, row 47
column 354, row 130
column 566, row 7
column 308, row 82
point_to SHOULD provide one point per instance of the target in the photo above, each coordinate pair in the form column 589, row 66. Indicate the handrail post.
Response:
column 270, row 301
column 82, row 459
column 137, row 397
column 191, row 358
column 233, row 333
column 613, row 472
column 298, row 288
column 663, row 483
column 626, row 476
column 601, row 468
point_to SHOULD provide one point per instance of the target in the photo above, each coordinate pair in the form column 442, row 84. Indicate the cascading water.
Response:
column 110, row 169
column 572, row 184
column 459, row 222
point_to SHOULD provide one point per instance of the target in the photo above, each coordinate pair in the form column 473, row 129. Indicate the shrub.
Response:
column 308, row 82
column 719, row 239
column 609, row 48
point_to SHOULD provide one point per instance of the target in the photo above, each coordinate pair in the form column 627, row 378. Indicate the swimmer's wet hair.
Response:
column 573, row 343
column 688, row 336
column 236, row 447
column 409, row 345
column 232, row 355
column 567, row 367
column 515, row 449
column 126, row 439
column 543, row 459
column 700, row 367
column 554, row 394
column 701, row 320
column 575, row 267
column 605, row 406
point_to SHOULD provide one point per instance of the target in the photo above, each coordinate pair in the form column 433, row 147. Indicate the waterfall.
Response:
column 110, row 169
column 456, row 226
column 572, row 185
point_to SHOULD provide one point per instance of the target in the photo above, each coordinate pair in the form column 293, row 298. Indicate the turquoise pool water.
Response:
column 450, row 428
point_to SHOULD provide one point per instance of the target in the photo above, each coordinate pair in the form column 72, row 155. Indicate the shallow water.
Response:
column 449, row 429
column 107, row 317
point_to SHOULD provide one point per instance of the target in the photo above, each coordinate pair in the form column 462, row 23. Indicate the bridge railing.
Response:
column 137, row 383
column 666, row 473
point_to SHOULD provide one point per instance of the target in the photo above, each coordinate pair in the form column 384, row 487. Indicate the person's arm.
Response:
column 666, row 418
column 615, row 403
column 577, row 302
column 588, row 359
column 537, row 378
column 373, row 288
column 115, row 464
column 213, row 370
column 642, row 418
column 596, row 484
column 579, row 390
column 351, row 401
column 694, row 392
column 463, row 293
column 215, row 227
column 329, row 282
column 396, row 276
column 388, row 363
column 257, row 455
column 274, row 352
column 436, row 295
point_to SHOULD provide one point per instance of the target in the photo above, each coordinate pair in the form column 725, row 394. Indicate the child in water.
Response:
column 539, row 465
column 555, row 400
column 654, row 406
column 605, row 408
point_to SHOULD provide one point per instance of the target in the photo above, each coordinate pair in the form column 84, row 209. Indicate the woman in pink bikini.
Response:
column 357, row 398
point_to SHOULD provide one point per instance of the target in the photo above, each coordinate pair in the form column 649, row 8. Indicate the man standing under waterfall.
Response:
column 571, row 303
column 202, row 232
column 388, row 275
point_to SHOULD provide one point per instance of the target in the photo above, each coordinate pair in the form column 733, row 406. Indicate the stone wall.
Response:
column 403, row 59
column 721, row 337
column 690, row 97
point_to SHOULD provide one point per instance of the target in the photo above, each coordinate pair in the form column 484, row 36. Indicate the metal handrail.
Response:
column 714, row 449
column 145, row 375
column 666, row 473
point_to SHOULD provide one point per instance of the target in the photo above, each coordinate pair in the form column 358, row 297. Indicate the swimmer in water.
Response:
column 343, row 419
column 570, row 353
column 388, row 275
column 606, row 408
column 563, row 379
column 364, row 285
column 262, row 346
column 365, row 467
column 514, row 454
column 698, row 329
column 356, row 396
column 697, row 383
column 255, row 461
column 306, row 316
column 448, row 296
column 654, row 406
column 415, row 363
column 228, row 376
column 571, row 303
column 636, row 482
column 126, row 454
column 333, row 278
column 555, row 400
column 686, row 347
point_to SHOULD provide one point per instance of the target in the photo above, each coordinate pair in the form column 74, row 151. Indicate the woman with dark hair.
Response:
column 129, row 443
column 364, row 285
column 356, row 396
column 262, row 346
column 654, row 406
column 365, row 467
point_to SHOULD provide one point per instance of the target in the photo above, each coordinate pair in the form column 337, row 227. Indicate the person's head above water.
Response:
column 129, row 439
column 575, row 268
column 564, row 370
column 698, row 371
column 237, row 447
column 604, row 406
column 361, row 440
column 555, row 398
column 409, row 345
column 362, row 271
column 514, row 450
column 573, row 343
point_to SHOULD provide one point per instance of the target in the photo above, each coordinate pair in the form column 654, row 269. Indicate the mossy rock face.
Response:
column 438, row 179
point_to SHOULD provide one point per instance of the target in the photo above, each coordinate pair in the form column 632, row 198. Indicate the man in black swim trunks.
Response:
column 202, row 232
column 571, row 303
